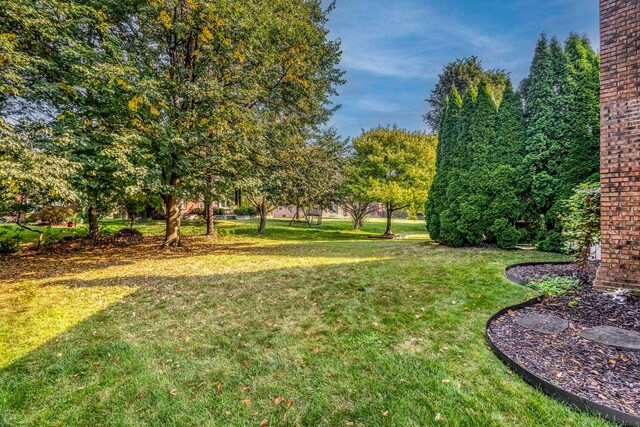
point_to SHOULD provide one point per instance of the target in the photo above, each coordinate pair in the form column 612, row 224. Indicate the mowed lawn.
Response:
column 302, row 327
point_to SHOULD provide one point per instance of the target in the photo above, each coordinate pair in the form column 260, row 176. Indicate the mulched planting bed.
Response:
column 600, row 373
column 538, row 271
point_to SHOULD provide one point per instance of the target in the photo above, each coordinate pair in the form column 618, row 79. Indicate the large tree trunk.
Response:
column 208, row 215
column 388, row 232
column 357, row 223
column 263, row 216
column 172, row 227
column 94, row 229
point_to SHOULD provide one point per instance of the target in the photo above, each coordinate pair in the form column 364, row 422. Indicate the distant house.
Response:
column 189, row 206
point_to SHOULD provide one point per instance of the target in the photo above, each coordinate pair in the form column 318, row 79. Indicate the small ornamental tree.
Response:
column 581, row 220
column 398, row 166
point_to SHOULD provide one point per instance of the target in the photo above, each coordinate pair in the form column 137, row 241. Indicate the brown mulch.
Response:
column 599, row 373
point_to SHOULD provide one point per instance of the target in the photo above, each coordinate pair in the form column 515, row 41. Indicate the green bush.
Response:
column 554, row 242
column 555, row 286
column 449, row 232
column 218, row 211
column 245, row 210
column 9, row 245
column 506, row 234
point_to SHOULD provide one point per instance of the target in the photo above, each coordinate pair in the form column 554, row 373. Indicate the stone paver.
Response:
column 614, row 337
column 543, row 323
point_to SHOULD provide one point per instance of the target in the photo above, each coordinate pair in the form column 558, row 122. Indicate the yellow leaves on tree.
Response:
column 135, row 103
column 165, row 19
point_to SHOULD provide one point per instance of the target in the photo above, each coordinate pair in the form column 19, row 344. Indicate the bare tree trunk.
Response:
column 40, row 233
column 94, row 229
column 172, row 228
column 208, row 215
column 263, row 216
column 357, row 223
column 388, row 232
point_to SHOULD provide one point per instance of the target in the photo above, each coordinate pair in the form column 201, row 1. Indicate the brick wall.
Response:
column 620, row 143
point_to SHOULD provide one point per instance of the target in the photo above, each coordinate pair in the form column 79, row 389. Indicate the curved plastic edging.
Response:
column 546, row 387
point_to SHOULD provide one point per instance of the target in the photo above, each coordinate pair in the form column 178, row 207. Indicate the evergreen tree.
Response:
column 437, row 195
column 517, row 161
column 581, row 161
column 507, row 182
column 509, row 144
column 458, row 175
column 460, row 74
column 541, row 159
column 473, row 221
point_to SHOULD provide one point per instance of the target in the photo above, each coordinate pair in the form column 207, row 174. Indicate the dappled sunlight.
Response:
column 197, row 268
column 79, row 285
column 215, row 331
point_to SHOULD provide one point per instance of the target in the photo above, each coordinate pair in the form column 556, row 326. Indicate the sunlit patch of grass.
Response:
column 32, row 314
column 301, row 327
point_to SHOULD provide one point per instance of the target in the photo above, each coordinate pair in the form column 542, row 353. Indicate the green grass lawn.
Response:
column 299, row 327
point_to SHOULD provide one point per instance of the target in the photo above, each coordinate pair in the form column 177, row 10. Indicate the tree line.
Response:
column 127, row 102
column 131, row 104
column 507, row 160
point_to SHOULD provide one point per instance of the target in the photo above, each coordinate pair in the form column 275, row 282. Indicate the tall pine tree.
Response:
column 582, row 157
column 446, row 137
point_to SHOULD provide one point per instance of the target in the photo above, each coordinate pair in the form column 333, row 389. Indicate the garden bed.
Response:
column 524, row 273
column 588, row 374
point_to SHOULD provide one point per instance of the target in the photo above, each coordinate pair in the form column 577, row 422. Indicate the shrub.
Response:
column 506, row 234
column 245, row 210
column 53, row 214
column 555, row 286
column 554, row 242
column 581, row 220
column 9, row 245
column 470, row 224
column 218, row 211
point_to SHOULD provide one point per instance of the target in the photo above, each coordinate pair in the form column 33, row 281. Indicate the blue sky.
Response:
column 393, row 50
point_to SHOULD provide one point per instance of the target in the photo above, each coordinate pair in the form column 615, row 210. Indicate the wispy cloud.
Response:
column 393, row 50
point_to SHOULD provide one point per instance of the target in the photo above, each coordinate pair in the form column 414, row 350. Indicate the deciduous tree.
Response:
column 398, row 166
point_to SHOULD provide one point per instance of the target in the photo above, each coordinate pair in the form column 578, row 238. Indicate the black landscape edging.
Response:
column 546, row 387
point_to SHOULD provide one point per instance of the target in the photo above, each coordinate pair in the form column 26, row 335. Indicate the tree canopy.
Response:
column 397, row 167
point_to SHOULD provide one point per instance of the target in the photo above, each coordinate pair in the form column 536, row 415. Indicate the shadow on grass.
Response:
column 344, row 341
column 141, row 360
column 35, row 266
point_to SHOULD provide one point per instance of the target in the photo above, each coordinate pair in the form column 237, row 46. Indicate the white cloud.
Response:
column 404, row 38
column 377, row 105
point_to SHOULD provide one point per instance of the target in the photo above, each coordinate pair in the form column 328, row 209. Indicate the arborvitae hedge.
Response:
column 502, row 171
column 447, row 136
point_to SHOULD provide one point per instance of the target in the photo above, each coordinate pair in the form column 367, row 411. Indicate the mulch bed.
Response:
column 538, row 271
column 597, row 372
